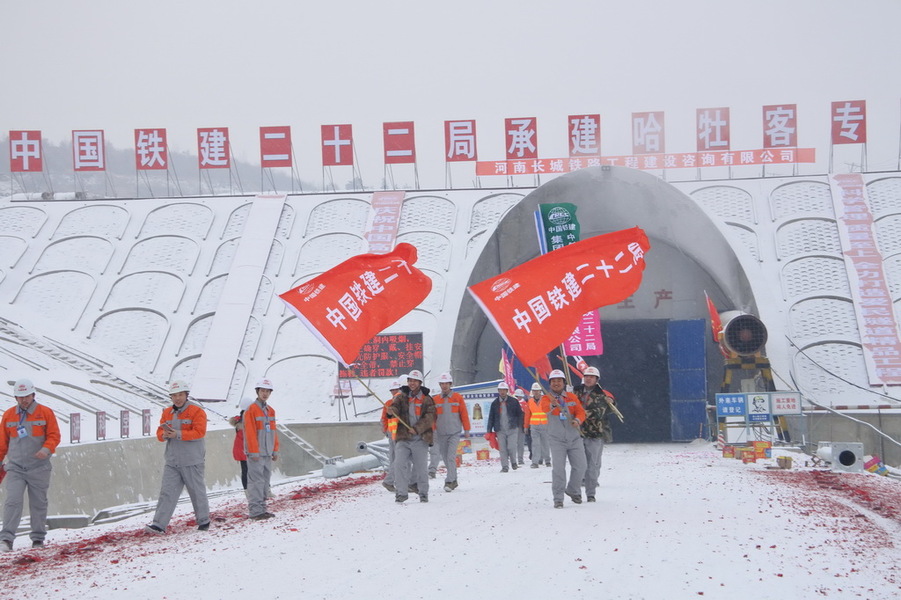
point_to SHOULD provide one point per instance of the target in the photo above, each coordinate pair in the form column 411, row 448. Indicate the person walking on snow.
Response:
column 565, row 415
column 451, row 418
column 535, row 421
column 596, row 430
column 261, row 445
column 521, row 445
column 29, row 435
column 238, row 447
column 389, row 428
column 505, row 418
column 183, row 428
column 415, row 411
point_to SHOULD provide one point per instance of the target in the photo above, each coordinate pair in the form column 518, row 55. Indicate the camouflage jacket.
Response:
column 597, row 412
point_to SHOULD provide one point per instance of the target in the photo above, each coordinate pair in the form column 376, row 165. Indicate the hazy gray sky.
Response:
column 119, row 65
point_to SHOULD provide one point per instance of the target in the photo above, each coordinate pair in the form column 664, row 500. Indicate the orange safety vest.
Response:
column 534, row 414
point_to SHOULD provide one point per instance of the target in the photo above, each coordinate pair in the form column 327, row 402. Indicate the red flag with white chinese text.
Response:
column 536, row 305
column 349, row 304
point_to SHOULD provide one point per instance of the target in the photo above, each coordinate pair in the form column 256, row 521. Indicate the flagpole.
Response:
column 374, row 395
column 562, row 356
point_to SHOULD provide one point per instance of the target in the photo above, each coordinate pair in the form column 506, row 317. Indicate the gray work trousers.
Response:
column 446, row 444
column 389, row 472
column 507, row 441
column 573, row 450
column 521, row 449
column 259, row 472
column 594, row 448
column 175, row 479
column 411, row 459
column 540, row 450
column 434, row 456
column 16, row 483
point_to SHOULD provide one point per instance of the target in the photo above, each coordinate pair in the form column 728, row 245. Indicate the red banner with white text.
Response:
column 570, row 281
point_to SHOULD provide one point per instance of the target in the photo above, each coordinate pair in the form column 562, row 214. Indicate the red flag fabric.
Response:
column 350, row 303
column 543, row 366
column 536, row 305
column 491, row 438
column 716, row 325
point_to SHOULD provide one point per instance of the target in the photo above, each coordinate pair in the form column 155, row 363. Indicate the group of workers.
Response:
column 422, row 430
column 563, row 427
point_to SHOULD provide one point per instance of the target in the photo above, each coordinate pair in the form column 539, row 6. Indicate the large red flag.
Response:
column 349, row 304
column 536, row 305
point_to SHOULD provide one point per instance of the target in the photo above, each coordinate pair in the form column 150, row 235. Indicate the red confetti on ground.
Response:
column 22, row 565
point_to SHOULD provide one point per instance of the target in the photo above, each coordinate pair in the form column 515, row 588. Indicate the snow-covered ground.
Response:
column 672, row 521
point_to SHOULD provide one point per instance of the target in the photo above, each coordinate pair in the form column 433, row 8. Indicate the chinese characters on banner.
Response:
column 647, row 133
column 123, row 424
column 275, row 147
column 460, row 141
column 521, row 138
column 849, row 122
column 337, row 145
column 87, row 151
column 25, row 152
column 558, row 226
column 151, row 150
column 101, row 425
column 870, row 290
column 400, row 144
column 713, row 129
column 145, row 421
column 684, row 160
column 780, row 126
column 212, row 148
column 536, row 305
column 350, row 303
column 390, row 355
column 585, row 135
column 384, row 221
column 75, row 427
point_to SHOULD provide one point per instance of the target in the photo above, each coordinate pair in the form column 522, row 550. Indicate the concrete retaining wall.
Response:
column 822, row 426
column 91, row 477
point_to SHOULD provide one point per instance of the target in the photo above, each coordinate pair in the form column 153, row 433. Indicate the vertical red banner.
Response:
column 88, row 152
column 25, row 152
column 123, row 423
column 275, row 147
column 384, row 221
column 146, row 424
column 521, row 138
column 75, row 428
column 101, row 425
column 337, row 145
column 400, row 145
column 849, row 122
column 713, row 129
column 460, row 141
column 151, row 150
column 584, row 135
column 780, row 126
column 213, row 148
column 647, row 133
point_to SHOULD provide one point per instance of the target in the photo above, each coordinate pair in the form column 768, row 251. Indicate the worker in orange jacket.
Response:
column 535, row 422
column 29, row 435
column 183, row 429
column 565, row 416
column 261, row 445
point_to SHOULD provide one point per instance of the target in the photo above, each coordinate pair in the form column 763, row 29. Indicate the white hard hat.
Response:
column 592, row 371
column 519, row 393
column 555, row 374
column 395, row 385
column 177, row 386
column 445, row 378
column 503, row 386
column 414, row 374
column 245, row 403
column 264, row 384
column 23, row 387
column 536, row 387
